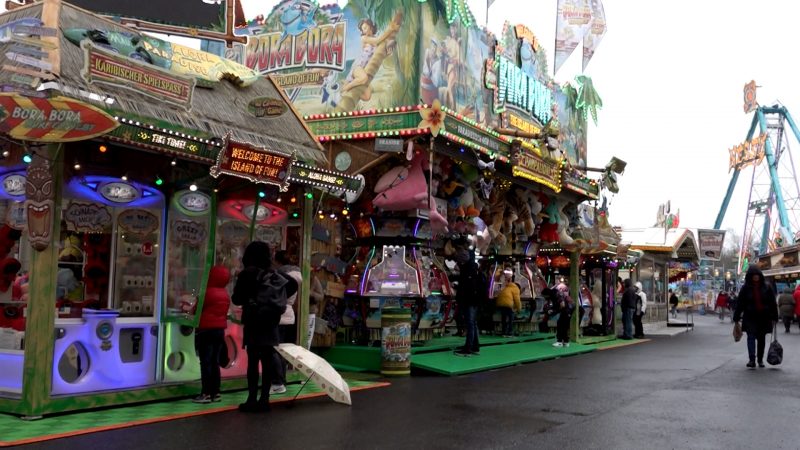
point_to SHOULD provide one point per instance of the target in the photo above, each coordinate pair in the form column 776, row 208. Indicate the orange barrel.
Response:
column 395, row 342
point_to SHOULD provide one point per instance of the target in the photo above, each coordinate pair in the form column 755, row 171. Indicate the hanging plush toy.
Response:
column 8, row 238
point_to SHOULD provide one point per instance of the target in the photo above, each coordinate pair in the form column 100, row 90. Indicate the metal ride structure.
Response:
column 773, row 210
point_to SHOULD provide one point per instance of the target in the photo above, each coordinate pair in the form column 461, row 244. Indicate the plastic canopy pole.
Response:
column 734, row 178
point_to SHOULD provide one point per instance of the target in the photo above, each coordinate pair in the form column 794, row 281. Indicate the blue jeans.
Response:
column 471, row 317
column 209, row 344
column 627, row 323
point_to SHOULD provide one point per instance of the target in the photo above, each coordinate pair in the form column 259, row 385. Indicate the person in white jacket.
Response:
column 641, row 307
column 286, row 327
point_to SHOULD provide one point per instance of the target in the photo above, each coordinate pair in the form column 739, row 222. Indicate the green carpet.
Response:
column 15, row 431
column 494, row 356
column 451, row 342
column 587, row 340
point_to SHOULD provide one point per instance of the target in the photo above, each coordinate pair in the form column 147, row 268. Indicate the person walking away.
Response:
column 641, row 307
column 722, row 304
column 565, row 307
column 796, row 296
column 732, row 302
column 255, row 284
column 628, row 304
column 209, row 338
column 470, row 294
column 286, row 327
column 508, row 303
column 673, row 303
column 786, row 306
column 757, row 309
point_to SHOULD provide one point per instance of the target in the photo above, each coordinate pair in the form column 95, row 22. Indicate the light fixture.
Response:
column 333, row 216
column 322, row 216
column 261, row 194
column 309, row 195
column 102, row 148
column 159, row 181
column 77, row 166
column 295, row 215
column 192, row 187
column 293, row 200
column 345, row 212
column 6, row 153
column 27, row 158
column 174, row 162
column 124, row 178
column 278, row 200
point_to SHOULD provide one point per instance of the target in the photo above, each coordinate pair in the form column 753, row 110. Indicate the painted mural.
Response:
column 572, row 136
column 374, row 54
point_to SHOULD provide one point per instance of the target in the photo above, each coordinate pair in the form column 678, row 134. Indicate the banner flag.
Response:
column 572, row 23
column 595, row 33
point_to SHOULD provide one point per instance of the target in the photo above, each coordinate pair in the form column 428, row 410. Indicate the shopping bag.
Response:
column 737, row 332
column 775, row 353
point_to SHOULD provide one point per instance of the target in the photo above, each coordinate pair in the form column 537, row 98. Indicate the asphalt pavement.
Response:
column 688, row 391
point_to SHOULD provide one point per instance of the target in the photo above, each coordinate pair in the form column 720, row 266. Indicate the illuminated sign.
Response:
column 195, row 202
column 462, row 130
column 119, row 192
column 253, row 163
column 515, row 88
column 14, row 185
column 107, row 67
column 748, row 153
column 57, row 119
column 323, row 178
column 521, row 124
column 318, row 47
column 138, row 221
column 188, row 232
column 532, row 167
column 87, row 217
column 170, row 141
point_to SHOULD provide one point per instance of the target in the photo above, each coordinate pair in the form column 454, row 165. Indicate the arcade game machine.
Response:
column 530, row 280
column 14, row 255
column 109, row 279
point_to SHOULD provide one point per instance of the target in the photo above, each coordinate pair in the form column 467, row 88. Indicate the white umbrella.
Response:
column 317, row 369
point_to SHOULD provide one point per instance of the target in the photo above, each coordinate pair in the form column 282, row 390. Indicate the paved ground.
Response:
column 691, row 390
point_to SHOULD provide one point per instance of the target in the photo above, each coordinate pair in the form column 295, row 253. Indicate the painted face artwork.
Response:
column 39, row 203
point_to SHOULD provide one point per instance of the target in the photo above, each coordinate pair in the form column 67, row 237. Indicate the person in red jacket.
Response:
column 796, row 296
column 209, row 336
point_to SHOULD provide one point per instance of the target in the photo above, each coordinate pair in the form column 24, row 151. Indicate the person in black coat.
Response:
column 470, row 294
column 259, row 335
column 628, row 304
column 757, row 309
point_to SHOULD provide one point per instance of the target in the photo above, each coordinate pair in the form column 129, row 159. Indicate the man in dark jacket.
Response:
column 628, row 304
column 758, row 310
column 259, row 335
column 470, row 294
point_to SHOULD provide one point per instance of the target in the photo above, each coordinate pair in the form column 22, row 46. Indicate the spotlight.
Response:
column 174, row 162
column 345, row 212
column 102, row 148
column 124, row 178
column 293, row 200
column 278, row 200
column 77, row 166
column 309, row 195
column 261, row 194
column 159, row 181
column 193, row 187
column 295, row 215
column 6, row 153
column 27, row 158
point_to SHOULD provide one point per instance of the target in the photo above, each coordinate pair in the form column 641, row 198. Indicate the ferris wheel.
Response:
column 773, row 210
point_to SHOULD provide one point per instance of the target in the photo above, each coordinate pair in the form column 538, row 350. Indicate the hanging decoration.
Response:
column 432, row 118
column 457, row 9
column 588, row 100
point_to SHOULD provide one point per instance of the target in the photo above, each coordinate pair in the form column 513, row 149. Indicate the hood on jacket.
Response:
column 218, row 277
column 638, row 286
column 257, row 254
column 751, row 272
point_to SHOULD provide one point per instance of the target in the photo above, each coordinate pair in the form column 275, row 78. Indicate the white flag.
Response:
column 593, row 36
column 572, row 23
column 489, row 3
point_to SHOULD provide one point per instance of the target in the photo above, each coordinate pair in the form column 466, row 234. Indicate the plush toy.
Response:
column 496, row 212
column 534, row 205
column 8, row 238
column 563, row 226
column 66, row 282
column 96, row 269
column 548, row 232
column 71, row 250
column 517, row 197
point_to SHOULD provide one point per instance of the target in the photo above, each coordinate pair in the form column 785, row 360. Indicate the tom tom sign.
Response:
column 253, row 163
column 57, row 119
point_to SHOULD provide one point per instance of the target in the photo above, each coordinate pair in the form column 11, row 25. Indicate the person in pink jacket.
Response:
column 796, row 296
column 209, row 337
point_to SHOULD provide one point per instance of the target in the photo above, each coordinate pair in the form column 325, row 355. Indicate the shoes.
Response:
column 558, row 344
column 638, row 336
column 627, row 338
column 202, row 398
column 254, row 407
column 566, row 344
column 761, row 364
column 462, row 353
column 751, row 364
column 507, row 336
column 475, row 352
column 277, row 389
column 216, row 398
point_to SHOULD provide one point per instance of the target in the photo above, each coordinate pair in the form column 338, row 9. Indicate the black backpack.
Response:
column 270, row 301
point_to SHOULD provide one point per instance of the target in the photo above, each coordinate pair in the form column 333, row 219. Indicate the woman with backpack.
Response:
column 758, row 311
column 259, row 290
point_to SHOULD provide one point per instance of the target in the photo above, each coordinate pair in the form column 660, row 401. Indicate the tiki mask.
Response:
column 39, row 202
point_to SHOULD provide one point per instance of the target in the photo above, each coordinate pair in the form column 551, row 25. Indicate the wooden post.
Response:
column 305, row 270
column 574, row 286
column 40, row 322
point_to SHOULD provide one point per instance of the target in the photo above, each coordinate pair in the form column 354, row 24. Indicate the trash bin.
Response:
column 395, row 341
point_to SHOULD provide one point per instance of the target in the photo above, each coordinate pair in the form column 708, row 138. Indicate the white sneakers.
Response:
column 277, row 389
column 561, row 344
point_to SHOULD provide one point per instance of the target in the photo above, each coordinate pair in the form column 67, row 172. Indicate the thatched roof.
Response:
column 214, row 111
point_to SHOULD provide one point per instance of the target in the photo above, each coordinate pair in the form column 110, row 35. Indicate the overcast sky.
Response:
column 671, row 76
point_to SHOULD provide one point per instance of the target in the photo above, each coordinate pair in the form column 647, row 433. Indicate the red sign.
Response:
column 253, row 163
column 57, row 119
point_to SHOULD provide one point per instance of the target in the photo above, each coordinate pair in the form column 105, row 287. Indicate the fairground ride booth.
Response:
column 670, row 256
column 781, row 267
column 122, row 183
column 454, row 133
